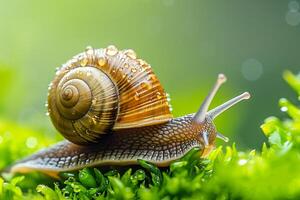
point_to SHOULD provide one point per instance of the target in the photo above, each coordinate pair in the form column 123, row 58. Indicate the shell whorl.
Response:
column 84, row 105
column 101, row 90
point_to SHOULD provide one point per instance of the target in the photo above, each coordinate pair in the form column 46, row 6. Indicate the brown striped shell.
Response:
column 101, row 90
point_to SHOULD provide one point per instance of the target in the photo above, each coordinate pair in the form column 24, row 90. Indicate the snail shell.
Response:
column 101, row 90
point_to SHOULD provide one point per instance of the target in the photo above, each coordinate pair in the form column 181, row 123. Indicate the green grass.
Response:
column 270, row 173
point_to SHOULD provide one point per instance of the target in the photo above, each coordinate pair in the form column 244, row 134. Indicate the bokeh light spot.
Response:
column 293, row 18
column 284, row 109
column 252, row 69
column 31, row 142
column 242, row 161
column 293, row 6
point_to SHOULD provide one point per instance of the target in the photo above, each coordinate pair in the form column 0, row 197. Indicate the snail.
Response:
column 112, row 110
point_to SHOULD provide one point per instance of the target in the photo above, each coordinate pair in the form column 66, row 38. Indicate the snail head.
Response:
column 204, row 118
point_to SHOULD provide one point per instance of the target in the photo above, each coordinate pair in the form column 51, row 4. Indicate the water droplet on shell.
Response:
column 130, row 53
column 142, row 62
column 137, row 96
column 83, row 62
column 133, row 69
column 111, row 50
column 102, row 61
column 152, row 78
column 158, row 95
column 146, row 85
column 89, row 50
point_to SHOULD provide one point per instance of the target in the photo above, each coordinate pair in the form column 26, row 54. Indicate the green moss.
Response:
column 272, row 173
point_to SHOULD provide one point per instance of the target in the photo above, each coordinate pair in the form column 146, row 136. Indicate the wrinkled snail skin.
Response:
column 112, row 110
column 158, row 144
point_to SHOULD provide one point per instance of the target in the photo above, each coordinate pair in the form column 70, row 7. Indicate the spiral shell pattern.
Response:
column 101, row 90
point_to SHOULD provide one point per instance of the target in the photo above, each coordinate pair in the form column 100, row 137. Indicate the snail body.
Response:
column 112, row 110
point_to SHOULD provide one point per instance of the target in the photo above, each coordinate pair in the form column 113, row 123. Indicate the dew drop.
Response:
column 46, row 105
column 111, row 50
column 31, row 142
column 129, row 78
column 158, row 95
column 142, row 62
column 133, row 69
column 89, row 50
column 284, row 109
column 242, row 162
column 168, row 98
column 130, row 53
column 141, row 69
column 47, row 113
column 102, row 61
column 83, row 62
column 95, row 119
column 137, row 96
column 146, row 85
column 152, row 78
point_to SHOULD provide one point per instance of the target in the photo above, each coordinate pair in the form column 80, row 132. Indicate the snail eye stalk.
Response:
column 222, row 137
column 205, row 136
column 220, row 109
column 201, row 114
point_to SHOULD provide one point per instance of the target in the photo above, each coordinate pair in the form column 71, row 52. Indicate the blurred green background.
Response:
column 187, row 42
